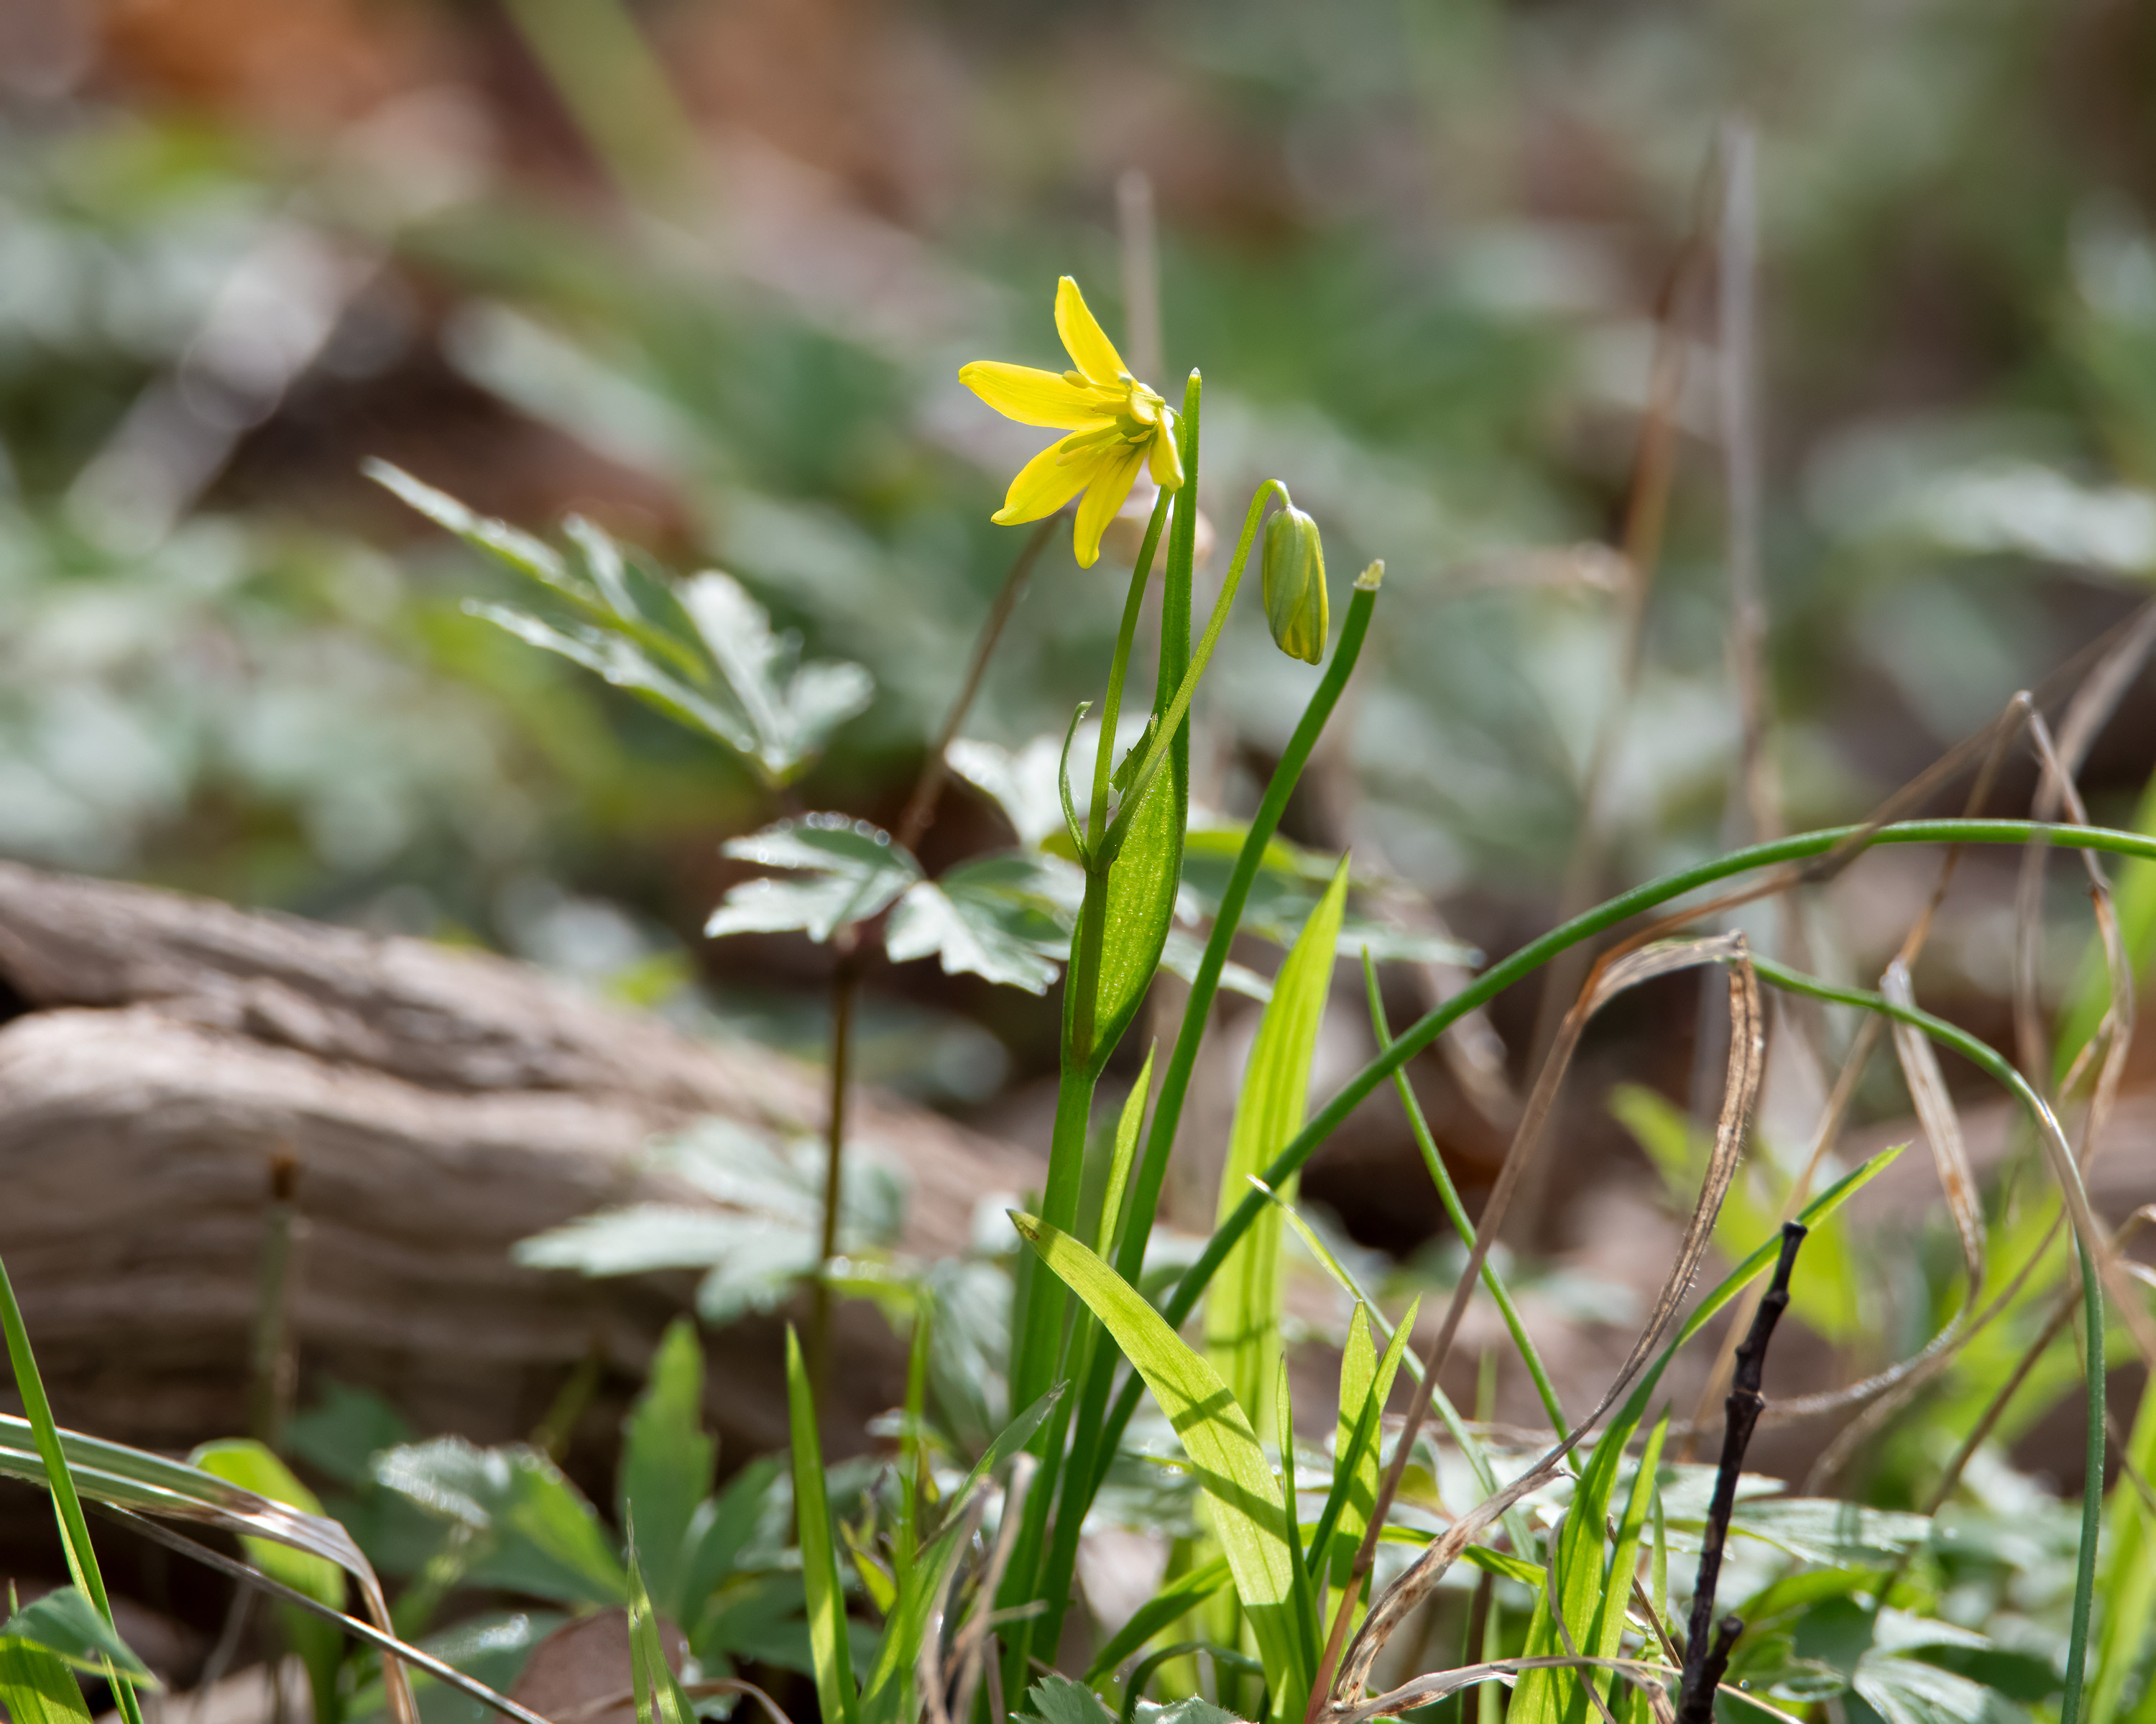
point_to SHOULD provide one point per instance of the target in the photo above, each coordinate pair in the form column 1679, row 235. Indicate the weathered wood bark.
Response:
column 441, row 1105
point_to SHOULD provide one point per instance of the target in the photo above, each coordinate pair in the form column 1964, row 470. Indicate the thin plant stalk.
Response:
column 852, row 954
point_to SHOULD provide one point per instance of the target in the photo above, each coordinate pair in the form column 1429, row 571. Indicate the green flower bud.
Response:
column 1295, row 585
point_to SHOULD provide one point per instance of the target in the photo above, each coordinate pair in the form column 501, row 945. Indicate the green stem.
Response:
column 1088, row 1458
column 1082, row 1061
column 1499, row 977
column 2002, row 1071
column 1171, row 723
column 1448, row 1195
column 1111, row 708
column 75, row 1531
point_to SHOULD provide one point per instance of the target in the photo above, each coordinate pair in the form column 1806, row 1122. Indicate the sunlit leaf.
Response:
column 667, row 1463
column 838, row 871
column 65, row 1624
column 1243, row 1306
column 1215, row 1432
column 985, row 918
column 535, row 1534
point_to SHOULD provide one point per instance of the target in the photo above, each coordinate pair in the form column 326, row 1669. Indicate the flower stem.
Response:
column 845, row 989
column 1112, row 707
column 1171, row 720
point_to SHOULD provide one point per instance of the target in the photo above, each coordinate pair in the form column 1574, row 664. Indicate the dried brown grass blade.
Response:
column 1747, row 1063
column 1942, row 1123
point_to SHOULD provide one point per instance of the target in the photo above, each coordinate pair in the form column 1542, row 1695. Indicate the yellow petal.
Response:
column 1090, row 347
column 1031, row 397
column 1043, row 485
column 1165, row 457
column 1103, row 497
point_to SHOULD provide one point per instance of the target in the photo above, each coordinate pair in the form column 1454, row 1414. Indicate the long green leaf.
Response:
column 319, row 1645
column 1242, row 1309
column 38, row 1688
column 820, row 1552
column 66, row 1624
column 1215, row 1432
column 1366, row 1384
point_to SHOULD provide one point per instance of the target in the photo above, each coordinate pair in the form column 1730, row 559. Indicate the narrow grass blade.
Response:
column 819, row 1558
column 1303, row 1609
column 658, row 1696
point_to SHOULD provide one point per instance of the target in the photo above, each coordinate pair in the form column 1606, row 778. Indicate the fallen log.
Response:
column 160, row 1052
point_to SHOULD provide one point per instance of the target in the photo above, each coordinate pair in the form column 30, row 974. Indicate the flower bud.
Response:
column 1295, row 585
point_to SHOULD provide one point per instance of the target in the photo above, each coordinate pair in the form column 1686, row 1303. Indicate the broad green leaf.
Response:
column 1055, row 1699
column 758, row 1248
column 37, row 1687
column 667, row 1463
column 623, row 663
column 1244, row 1305
column 341, row 1435
column 1184, row 956
column 1022, row 784
column 252, row 1467
column 1215, row 1432
column 1175, row 1599
column 319, row 1643
column 534, row 1532
column 65, row 1624
column 530, row 557
column 726, row 1527
column 702, row 651
column 819, row 1556
column 795, row 707
column 841, row 871
column 978, row 929
column 1906, row 1690
column 1140, row 911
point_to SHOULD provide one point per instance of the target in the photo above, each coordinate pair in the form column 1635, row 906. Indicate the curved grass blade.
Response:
column 1215, row 1432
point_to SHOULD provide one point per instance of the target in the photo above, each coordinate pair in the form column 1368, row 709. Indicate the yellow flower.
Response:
column 1117, row 424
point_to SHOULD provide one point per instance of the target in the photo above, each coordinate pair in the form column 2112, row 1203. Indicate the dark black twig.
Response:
column 1707, row 1654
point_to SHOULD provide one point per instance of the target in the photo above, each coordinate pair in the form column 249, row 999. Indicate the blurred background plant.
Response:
column 702, row 272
